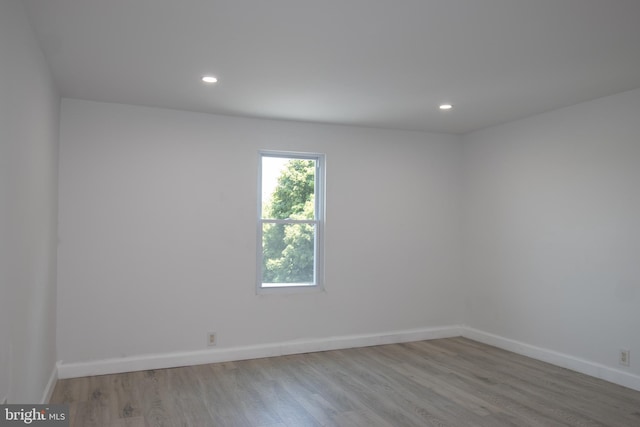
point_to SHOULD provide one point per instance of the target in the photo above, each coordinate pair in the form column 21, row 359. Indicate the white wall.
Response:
column 157, row 229
column 29, row 108
column 552, row 230
column 538, row 218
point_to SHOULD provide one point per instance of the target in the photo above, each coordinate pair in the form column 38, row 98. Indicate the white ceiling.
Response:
column 382, row 63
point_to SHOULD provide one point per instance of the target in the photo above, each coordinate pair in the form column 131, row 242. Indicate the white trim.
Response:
column 51, row 385
column 318, row 222
column 288, row 289
column 172, row 360
column 577, row 364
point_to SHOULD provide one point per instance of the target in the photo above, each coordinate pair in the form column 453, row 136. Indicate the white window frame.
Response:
column 318, row 222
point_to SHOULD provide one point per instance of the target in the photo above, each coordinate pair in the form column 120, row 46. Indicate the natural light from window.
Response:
column 290, row 220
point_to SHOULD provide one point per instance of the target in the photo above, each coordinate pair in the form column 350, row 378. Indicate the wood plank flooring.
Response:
column 448, row 382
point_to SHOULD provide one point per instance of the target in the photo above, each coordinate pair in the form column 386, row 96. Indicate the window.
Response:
column 290, row 220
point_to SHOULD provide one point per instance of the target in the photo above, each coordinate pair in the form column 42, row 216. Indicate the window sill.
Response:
column 288, row 290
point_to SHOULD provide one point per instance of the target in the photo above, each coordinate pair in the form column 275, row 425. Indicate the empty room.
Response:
column 330, row 213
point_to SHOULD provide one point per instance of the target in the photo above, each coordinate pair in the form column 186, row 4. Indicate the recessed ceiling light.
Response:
column 209, row 79
column 446, row 107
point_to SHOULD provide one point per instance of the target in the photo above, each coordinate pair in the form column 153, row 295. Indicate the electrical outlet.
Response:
column 624, row 358
column 211, row 339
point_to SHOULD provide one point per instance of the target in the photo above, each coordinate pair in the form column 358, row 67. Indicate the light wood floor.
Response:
column 449, row 382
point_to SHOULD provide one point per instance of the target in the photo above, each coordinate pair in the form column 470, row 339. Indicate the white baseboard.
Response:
column 51, row 384
column 593, row 369
column 172, row 360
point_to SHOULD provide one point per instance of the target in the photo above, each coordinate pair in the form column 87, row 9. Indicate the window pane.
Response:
column 288, row 254
column 288, row 188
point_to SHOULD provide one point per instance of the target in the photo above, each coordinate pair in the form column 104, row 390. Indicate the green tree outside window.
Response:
column 288, row 249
